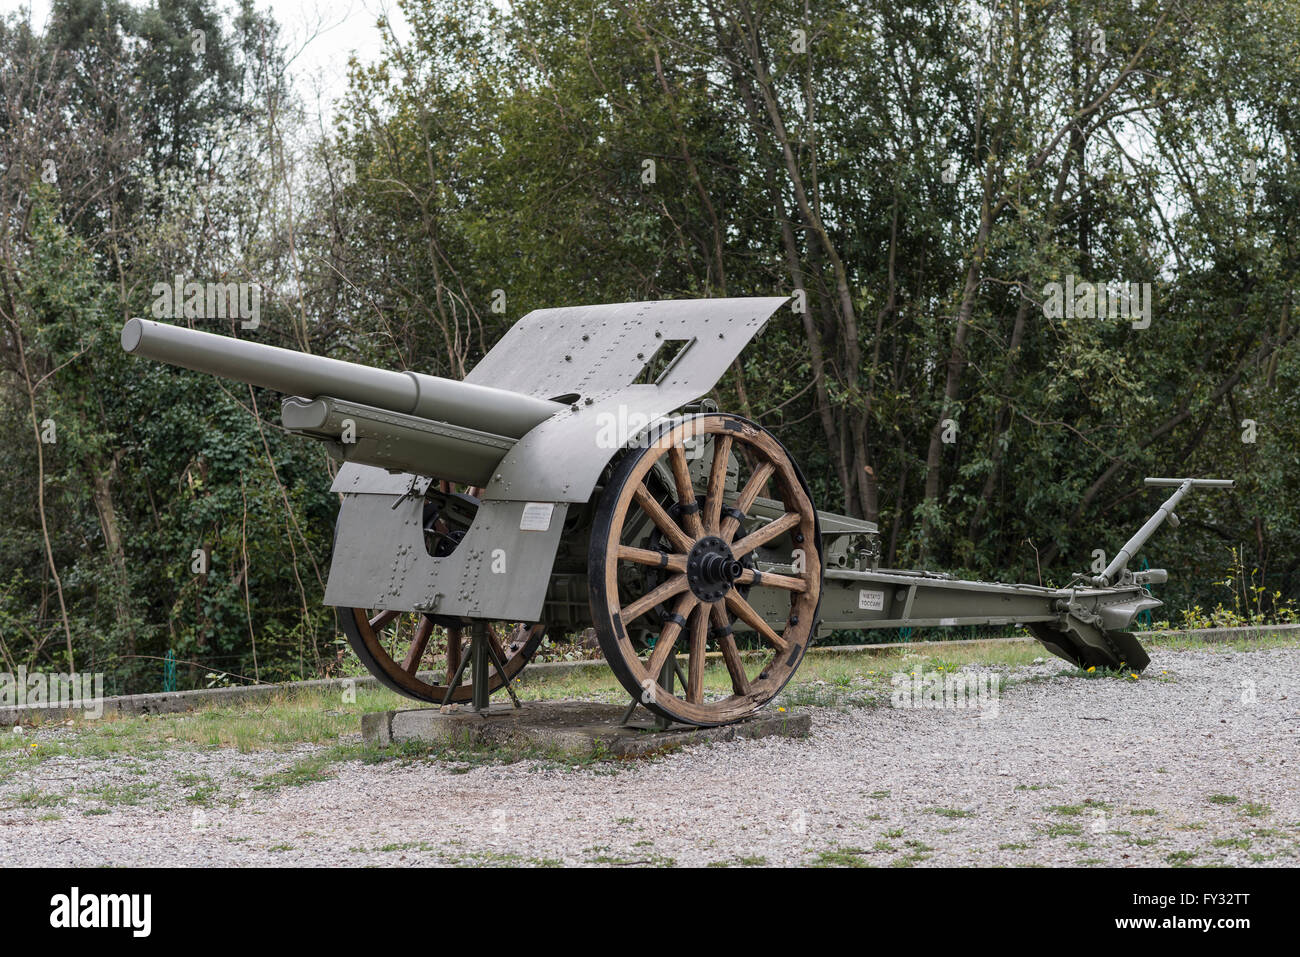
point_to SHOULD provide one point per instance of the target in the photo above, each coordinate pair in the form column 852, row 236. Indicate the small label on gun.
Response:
column 869, row 600
column 536, row 517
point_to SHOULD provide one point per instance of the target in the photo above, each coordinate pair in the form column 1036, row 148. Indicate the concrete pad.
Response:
column 572, row 727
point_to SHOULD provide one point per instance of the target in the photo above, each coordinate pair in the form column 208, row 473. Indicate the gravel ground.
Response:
column 1195, row 763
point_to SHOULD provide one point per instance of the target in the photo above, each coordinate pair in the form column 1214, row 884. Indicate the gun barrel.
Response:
column 483, row 408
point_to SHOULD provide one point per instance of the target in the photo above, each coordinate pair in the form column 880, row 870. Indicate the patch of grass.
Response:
column 1013, row 847
column 950, row 812
column 497, row 859
column 1094, row 673
column 842, row 857
column 1251, row 809
column 592, row 684
column 654, row 860
column 205, row 789
column 1180, row 857
column 1143, row 811
column 289, row 718
column 308, row 770
column 810, row 694
column 130, row 795
column 1062, row 830
column 1223, row 799
column 1241, row 843
column 1264, row 642
column 919, row 852
column 1066, row 810
column 34, row 797
column 409, row 846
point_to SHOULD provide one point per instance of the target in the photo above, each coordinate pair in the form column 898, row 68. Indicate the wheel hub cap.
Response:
column 711, row 569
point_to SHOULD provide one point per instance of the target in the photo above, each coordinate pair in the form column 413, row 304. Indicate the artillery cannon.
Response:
column 577, row 479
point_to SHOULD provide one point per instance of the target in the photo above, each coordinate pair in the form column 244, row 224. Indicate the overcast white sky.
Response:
column 322, row 34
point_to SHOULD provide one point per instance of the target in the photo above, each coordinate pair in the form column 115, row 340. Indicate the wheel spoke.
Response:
column 648, row 556
column 752, row 577
column 668, row 637
column 761, row 536
column 695, row 675
column 663, row 520
column 727, row 643
column 453, row 653
column 753, row 488
column 745, row 612
column 690, row 509
column 383, row 618
column 496, row 647
column 717, row 483
column 421, row 641
column 673, row 586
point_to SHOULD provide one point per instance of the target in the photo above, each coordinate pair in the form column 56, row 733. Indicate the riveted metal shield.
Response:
column 617, row 368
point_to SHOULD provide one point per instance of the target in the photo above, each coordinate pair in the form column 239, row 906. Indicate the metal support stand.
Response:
column 483, row 654
column 478, row 654
column 669, row 670
column 454, row 682
column 498, row 661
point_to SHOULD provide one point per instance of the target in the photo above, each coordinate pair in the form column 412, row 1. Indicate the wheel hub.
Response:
column 711, row 569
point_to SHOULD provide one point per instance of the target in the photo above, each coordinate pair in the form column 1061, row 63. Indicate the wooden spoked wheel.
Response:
column 395, row 646
column 703, row 567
